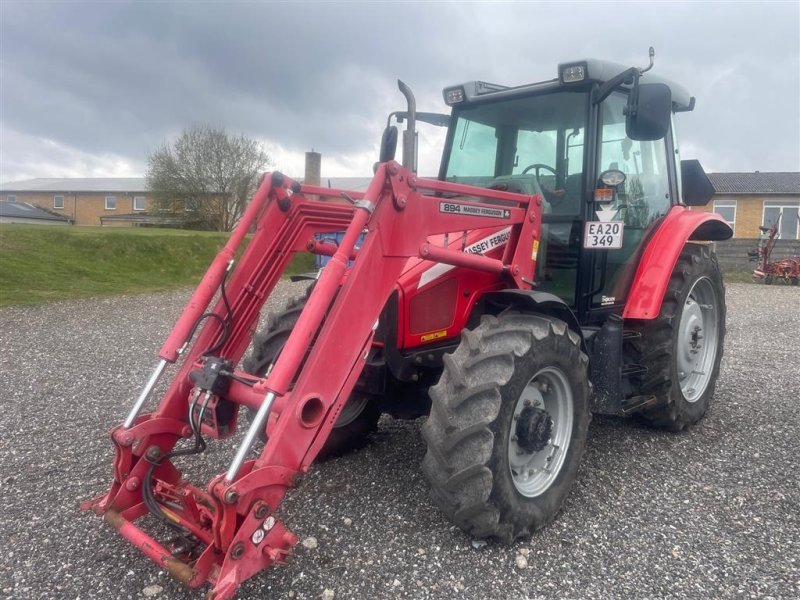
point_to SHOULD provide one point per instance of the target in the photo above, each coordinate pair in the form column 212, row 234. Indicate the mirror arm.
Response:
column 602, row 92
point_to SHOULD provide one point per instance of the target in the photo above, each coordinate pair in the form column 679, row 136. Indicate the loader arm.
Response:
column 231, row 523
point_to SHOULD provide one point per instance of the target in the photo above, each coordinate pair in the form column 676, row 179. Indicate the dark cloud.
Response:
column 117, row 79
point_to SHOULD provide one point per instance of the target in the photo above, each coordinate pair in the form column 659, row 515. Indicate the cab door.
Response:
column 645, row 197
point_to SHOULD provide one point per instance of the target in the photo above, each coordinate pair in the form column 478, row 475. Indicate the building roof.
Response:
column 756, row 183
column 77, row 184
column 23, row 210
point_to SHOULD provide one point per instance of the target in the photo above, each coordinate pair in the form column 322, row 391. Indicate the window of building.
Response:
column 111, row 202
column 138, row 203
column 191, row 205
column 11, row 198
column 58, row 201
column 727, row 210
column 786, row 215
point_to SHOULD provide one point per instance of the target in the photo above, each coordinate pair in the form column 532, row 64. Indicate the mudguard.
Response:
column 659, row 258
column 534, row 301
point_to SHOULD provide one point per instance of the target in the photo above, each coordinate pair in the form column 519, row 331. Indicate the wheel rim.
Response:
column 697, row 339
column 548, row 393
column 352, row 408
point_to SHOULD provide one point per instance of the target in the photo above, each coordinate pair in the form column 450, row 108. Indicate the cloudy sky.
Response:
column 90, row 88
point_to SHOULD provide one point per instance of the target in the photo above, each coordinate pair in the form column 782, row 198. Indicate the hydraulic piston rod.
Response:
column 148, row 388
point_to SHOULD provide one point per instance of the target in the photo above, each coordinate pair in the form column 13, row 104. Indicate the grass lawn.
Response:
column 47, row 263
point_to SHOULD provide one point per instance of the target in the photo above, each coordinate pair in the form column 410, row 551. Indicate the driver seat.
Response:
column 570, row 203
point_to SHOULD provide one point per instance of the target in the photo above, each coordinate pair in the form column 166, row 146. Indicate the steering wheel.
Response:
column 551, row 194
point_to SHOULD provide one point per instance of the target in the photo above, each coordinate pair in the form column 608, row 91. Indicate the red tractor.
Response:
column 553, row 269
column 785, row 269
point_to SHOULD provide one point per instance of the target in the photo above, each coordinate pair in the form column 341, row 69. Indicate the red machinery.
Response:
column 441, row 298
column 787, row 269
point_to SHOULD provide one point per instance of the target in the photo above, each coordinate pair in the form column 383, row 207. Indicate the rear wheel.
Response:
column 682, row 348
column 359, row 415
column 508, row 425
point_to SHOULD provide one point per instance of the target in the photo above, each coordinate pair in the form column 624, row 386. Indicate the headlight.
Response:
column 612, row 177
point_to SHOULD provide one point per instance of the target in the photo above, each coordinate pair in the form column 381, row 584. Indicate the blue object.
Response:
column 333, row 237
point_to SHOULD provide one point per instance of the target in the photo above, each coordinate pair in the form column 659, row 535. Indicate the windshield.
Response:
column 522, row 144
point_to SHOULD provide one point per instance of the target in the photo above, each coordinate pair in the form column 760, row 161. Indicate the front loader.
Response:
column 552, row 270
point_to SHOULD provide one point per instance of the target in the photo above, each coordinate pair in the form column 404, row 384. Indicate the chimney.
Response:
column 313, row 168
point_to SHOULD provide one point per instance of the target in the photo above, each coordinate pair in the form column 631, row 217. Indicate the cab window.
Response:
column 644, row 197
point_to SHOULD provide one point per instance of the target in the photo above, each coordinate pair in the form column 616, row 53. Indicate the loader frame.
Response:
column 233, row 519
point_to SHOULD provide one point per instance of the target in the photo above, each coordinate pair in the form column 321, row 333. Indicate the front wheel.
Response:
column 508, row 425
column 359, row 416
column 682, row 348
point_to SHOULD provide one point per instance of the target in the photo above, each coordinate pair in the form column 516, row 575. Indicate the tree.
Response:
column 208, row 172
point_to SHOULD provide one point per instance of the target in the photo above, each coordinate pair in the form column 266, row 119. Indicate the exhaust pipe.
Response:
column 410, row 134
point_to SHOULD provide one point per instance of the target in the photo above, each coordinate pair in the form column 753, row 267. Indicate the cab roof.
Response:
column 597, row 71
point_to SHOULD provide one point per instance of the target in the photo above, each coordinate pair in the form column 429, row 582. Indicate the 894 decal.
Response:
column 454, row 208
column 603, row 234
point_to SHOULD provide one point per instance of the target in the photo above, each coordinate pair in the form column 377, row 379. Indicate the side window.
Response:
column 138, row 203
column 644, row 196
column 58, row 201
column 111, row 202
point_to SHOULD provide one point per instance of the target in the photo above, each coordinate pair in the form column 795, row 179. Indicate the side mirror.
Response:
column 648, row 111
column 696, row 186
column 388, row 144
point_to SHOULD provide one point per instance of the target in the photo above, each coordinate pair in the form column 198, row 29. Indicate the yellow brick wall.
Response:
column 749, row 211
column 85, row 208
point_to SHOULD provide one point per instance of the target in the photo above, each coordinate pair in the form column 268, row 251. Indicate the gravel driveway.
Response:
column 710, row 513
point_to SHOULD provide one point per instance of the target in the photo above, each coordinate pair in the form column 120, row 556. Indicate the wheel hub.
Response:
column 541, row 431
column 534, row 429
column 697, row 340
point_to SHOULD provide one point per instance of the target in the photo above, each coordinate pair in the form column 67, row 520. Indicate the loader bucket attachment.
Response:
column 228, row 529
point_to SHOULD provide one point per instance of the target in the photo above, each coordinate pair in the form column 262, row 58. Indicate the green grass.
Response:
column 737, row 277
column 45, row 263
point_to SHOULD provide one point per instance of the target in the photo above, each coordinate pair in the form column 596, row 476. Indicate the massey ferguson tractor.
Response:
column 551, row 270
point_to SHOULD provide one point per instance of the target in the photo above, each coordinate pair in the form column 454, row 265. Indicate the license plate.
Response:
column 603, row 234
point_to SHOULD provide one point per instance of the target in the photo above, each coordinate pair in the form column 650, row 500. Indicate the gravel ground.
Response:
column 709, row 513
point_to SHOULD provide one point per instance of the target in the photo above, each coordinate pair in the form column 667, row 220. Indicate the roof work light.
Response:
column 573, row 73
column 454, row 95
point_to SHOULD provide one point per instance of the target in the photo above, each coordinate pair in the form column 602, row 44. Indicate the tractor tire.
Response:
column 682, row 348
column 768, row 280
column 360, row 414
column 508, row 425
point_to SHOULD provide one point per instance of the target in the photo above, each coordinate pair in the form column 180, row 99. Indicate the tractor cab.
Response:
column 598, row 144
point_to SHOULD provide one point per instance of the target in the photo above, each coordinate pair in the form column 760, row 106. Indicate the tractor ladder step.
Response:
column 629, row 370
column 637, row 403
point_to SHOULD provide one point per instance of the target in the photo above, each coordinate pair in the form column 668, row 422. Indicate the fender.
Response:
column 531, row 301
column 661, row 254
